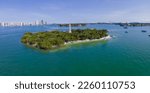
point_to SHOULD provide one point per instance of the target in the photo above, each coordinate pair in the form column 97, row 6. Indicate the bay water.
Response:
column 125, row 54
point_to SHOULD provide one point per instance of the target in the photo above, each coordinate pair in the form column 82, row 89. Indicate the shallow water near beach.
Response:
column 126, row 54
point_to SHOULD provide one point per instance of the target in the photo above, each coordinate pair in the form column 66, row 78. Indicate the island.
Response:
column 55, row 39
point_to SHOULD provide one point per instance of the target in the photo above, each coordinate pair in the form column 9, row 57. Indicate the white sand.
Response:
column 88, row 40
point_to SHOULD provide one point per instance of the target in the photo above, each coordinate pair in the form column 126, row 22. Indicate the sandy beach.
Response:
column 88, row 40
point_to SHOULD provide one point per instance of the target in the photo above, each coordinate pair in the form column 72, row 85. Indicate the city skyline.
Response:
column 34, row 23
column 75, row 11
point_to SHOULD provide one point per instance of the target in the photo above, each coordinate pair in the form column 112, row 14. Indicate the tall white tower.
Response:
column 70, row 28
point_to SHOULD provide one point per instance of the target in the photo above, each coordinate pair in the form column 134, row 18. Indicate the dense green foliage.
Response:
column 55, row 39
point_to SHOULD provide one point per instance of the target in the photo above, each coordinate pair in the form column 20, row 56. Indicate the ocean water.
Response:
column 126, row 54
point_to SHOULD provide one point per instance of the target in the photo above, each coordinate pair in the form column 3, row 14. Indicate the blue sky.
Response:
column 64, row 11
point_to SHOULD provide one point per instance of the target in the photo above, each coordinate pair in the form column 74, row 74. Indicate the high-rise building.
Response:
column 23, row 23
column 42, row 22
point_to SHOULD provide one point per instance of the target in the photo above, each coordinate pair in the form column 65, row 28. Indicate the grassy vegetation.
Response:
column 55, row 39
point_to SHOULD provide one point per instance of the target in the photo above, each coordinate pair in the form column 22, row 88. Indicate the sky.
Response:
column 74, row 11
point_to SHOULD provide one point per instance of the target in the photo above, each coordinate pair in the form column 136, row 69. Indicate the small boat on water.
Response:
column 149, row 35
column 125, row 27
column 144, row 31
column 126, row 31
column 111, row 36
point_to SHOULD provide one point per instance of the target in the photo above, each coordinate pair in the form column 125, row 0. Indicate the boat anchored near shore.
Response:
column 144, row 31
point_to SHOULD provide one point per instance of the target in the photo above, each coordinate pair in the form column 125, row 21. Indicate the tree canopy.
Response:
column 54, row 39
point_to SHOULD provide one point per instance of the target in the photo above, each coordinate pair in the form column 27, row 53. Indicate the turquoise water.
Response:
column 126, row 54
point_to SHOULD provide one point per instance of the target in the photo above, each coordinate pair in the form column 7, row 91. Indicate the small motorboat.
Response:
column 125, row 27
column 149, row 35
column 126, row 31
column 144, row 31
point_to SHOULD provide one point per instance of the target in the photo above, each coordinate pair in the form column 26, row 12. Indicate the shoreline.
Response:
column 88, row 40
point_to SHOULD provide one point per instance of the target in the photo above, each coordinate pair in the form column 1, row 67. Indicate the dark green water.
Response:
column 126, row 54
